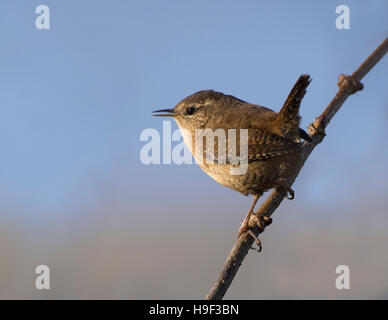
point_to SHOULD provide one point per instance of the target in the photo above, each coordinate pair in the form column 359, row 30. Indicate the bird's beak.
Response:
column 169, row 113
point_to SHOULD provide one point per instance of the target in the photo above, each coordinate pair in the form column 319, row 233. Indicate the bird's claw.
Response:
column 258, row 242
column 290, row 194
column 262, row 223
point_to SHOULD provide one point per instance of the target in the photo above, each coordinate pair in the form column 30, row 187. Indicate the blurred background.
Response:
column 74, row 195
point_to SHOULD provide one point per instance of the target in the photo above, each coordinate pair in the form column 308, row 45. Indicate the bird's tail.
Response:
column 289, row 114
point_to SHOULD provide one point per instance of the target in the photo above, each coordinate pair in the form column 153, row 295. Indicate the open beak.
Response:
column 168, row 113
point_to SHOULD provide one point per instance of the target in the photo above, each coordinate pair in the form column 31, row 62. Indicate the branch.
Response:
column 348, row 85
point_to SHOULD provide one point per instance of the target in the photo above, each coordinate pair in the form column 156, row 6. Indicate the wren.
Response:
column 274, row 141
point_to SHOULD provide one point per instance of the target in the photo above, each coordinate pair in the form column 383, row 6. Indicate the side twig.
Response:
column 348, row 85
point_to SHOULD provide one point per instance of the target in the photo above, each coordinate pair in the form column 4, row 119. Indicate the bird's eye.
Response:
column 191, row 110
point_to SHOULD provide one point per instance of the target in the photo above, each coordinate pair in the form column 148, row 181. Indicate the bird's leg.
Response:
column 245, row 224
column 262, row 222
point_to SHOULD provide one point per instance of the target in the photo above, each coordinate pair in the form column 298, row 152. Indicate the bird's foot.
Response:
column 261, row 222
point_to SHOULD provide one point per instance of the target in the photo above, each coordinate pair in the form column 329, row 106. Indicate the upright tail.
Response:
column 288, row 117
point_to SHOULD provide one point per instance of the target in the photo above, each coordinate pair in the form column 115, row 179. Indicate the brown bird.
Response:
column 272, row 140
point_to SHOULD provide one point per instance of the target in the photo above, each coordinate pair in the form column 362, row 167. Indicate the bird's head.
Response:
column 196, row 110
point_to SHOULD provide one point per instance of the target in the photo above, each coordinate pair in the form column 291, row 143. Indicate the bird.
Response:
column 274, row 142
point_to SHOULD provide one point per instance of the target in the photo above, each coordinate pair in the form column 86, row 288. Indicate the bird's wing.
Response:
column 264, row 145
column 256, row 145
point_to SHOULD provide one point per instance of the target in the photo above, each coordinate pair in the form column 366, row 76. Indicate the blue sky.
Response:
column 76, row 97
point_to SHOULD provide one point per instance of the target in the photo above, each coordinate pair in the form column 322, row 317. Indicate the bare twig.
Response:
column 348, row 85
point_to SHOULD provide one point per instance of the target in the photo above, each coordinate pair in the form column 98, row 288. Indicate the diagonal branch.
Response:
column 348, row 85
